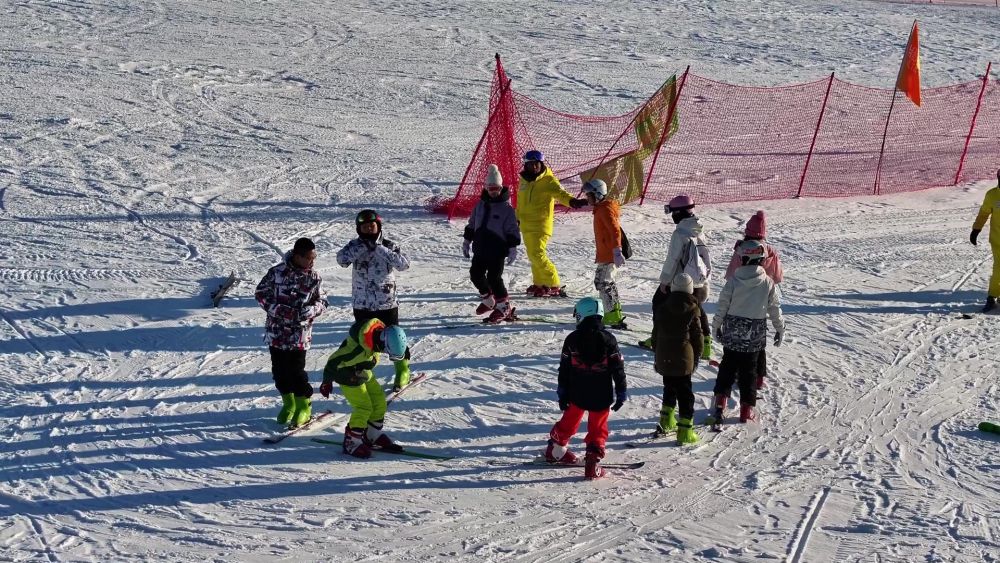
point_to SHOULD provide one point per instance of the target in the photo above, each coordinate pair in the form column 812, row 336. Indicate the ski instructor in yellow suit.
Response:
column 990, row 206
column 537, row 192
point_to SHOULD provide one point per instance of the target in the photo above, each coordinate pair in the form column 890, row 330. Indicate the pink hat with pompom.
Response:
column 757, row 226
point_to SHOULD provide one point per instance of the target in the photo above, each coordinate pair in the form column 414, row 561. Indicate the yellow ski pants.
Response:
column 543, row 271
column 995, row 278
column 367, row 402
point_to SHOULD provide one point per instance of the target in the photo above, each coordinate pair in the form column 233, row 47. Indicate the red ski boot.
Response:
column 503, row 312
column 378, row 440
column 592, row 463
column 486, row 304
column 556, row 453
column 354, row 443
column 746, row 413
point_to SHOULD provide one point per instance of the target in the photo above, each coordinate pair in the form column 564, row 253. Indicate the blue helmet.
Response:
column 534, row 156
column 394, row 342
column 587, row 307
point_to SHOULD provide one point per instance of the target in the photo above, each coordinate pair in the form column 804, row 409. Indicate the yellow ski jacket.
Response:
column 536, row 202
column 990, row 203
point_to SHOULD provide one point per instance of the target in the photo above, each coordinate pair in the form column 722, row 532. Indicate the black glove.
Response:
column 393, row 247
column 326, row 388
column 563, row 401
column 974, row 235
column 620, row 398
column 718, row 335
column 577, row 203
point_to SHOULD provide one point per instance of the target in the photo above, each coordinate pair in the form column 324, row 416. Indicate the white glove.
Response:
column 619, row 259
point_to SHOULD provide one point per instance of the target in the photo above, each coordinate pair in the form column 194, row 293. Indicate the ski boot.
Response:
column 615, row 319
column 718, row 415
column 647, row 343
column 539, row 291
column 502, row 312
column 667, row 421
column 706, row 348
column 354, row 443
column 378, row 440
column 303, row 411
column 556, row 453
column 557, row 291
column 592, row 462
column 685, row 432
column 746, row 413
column 991, row 304
column 402, row 374
column 486, row 304
column 287, row 411
column 532, row 289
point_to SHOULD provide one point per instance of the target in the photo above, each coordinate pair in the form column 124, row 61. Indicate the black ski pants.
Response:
column 677, row 392
column 486, row 274
column 739, row 368
column 288, row 368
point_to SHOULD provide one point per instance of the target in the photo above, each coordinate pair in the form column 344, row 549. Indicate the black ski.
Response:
column 403, row 451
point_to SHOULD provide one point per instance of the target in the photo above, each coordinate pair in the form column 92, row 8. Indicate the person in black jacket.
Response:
column 492, row 238
column 591, row 379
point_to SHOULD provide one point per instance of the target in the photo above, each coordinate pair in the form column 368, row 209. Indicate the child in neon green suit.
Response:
column 351, row 367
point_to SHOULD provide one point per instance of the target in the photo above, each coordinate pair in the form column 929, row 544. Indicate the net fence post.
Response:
column 663, row 135
column 812, row 145
column 972, row 126
column 885, row 133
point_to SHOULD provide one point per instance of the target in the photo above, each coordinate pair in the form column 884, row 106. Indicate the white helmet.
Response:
column 752, row 252
column 597, row 187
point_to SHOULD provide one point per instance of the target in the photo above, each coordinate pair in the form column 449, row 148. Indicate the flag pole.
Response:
column 878, row 169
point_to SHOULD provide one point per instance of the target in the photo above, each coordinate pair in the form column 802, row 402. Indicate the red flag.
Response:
column 908, row 80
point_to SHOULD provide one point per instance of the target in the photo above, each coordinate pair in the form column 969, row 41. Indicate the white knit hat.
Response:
column 493, row 177
column 682, row 282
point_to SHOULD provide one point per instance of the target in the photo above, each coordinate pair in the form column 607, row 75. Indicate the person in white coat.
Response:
column 687, row 253
column 740, row 324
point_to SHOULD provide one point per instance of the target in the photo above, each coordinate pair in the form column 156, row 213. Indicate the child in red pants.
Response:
column 591, row 379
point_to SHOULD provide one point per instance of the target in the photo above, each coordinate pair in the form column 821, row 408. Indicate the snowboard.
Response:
column 224, row 288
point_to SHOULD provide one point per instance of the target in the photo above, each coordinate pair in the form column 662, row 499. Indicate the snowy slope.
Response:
column 148, row 149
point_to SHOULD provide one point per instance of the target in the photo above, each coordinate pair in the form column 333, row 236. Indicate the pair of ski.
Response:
column 542, row 462
column 327, row 418
column 547, row 320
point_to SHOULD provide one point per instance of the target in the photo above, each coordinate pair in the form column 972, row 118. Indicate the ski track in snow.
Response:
column 150, row 149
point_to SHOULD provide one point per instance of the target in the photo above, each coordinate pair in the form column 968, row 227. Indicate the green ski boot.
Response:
column 647, row 343
column 706, row 349
column 287, row 411
column 303, row 411
column 614, row 318
column 685, row 432
column 402, row 374
column 668, row 423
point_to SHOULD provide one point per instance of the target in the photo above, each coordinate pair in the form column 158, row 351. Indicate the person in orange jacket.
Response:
column 537, row 192
column 608, row 237
column 989, row 207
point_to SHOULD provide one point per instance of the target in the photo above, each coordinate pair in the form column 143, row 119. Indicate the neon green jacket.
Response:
column 352, row 363
column 536, row 202
column 990, row 203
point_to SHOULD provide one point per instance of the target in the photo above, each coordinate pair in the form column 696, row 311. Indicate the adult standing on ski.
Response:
column 591, row 380
column 756, row 229
column 292, row 295
column 989, row 207
column 608, row 238
column 746, row 302
column 537, row 192
column 373, row 285
column 687, row 253
column 491, row 239
column 351, row 367
column 677, row 342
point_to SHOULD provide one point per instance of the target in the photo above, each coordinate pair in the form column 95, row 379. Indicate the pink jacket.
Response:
column 772, row 264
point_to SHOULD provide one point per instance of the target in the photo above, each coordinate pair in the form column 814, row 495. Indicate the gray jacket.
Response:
column 745, row 303
column 373, row 285
column 492, row 226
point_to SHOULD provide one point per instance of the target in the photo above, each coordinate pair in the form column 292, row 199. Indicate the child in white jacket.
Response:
column 746, row 302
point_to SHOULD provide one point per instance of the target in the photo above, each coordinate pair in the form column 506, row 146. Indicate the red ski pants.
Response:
column 597, row 426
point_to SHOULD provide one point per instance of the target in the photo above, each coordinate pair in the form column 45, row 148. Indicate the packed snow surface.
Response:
column 150, row 148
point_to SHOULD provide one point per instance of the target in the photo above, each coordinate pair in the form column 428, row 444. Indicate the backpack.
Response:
column 626, row 247
column 692, row 263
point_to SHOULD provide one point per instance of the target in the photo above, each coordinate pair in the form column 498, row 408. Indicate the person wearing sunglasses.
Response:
column 373, row 284
column 537, row 192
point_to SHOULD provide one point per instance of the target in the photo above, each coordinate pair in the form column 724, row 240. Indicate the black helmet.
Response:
column 367, row 216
